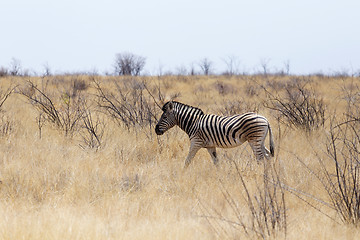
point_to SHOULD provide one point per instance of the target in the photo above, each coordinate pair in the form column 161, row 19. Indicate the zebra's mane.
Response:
column 182, row 104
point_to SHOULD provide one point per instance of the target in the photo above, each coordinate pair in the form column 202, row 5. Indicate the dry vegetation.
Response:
column 79, row 159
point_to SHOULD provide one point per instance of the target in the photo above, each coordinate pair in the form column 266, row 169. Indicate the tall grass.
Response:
column 110, row 177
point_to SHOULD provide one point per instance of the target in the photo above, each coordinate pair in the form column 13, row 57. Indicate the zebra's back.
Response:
column 231, row 131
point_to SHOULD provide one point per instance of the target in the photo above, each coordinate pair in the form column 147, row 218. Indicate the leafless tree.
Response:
column 15, row 67
column 3, row 72
column 206, row 66
column 192, row 70
column 287, row 67
column 181, row 70
column 265, row 65
column 47, row 70
column 233, row 65
column 129, row 64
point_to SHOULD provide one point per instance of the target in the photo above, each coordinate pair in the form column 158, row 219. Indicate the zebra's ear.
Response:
column 170, row 106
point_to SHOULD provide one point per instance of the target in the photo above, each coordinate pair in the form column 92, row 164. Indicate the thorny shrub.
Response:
column 263, row 215
column 63, row 110
column 5, row 123
column 339, row 171
column 342, row 180
column 228, row 108
column 298, row 106
column 130, row 103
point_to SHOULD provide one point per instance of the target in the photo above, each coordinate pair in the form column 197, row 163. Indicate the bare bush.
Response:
column 264, row 214
column 129, row 64
column 130, row 106
column 223, row 88
column 340, row 172
column 63, row 110
column 131, row 183
column 93, row 130
column 73, row 87
column 251, row 90
column 343, row 184
column 298, row 107
column 229, row 108
column 267, row 206
column 4, row 95
column 342, row 179
column 5, row 123
column 6, row 126
column 352, row 98
column 78, row 85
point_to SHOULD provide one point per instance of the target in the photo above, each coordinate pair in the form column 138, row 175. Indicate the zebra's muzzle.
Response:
column 158, row 131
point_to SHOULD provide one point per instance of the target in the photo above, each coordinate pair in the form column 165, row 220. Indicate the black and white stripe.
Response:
column 211, row 131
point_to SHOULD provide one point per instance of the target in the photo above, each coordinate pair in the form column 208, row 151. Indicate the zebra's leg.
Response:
column 192, row 152
column 258, row 149
column 212, row 152
column 257, row 143
column 267, row 153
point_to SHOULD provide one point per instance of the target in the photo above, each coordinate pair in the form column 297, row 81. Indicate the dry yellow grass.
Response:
column 135, row 187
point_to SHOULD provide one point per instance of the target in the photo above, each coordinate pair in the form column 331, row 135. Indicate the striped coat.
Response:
column 211, row 131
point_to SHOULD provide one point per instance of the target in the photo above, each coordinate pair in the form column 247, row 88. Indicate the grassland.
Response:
column 63, row 184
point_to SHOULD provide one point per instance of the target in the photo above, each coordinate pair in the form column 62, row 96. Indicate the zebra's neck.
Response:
column 187, row 117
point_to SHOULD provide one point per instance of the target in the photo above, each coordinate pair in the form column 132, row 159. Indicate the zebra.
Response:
column 211, row 131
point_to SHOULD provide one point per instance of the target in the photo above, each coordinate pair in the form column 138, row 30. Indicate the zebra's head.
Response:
column 167, row 119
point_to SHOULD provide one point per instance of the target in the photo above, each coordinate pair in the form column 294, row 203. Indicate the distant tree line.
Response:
column 130, row 64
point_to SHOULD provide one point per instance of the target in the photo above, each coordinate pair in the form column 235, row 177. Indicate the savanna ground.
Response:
column 79, row 159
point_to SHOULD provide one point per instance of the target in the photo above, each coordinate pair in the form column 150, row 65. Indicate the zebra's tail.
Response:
column 272, row 148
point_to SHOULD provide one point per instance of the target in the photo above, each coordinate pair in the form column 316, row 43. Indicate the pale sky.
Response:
column 84, row 35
